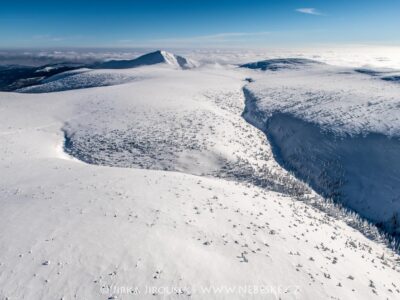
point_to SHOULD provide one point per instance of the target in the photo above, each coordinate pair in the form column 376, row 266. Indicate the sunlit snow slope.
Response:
column 158, row 186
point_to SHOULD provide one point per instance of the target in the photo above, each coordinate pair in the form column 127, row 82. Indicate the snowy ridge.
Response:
column 17, row 77
column 156, row 57
column 80, row 79
column 176, row 60
column 108, row 73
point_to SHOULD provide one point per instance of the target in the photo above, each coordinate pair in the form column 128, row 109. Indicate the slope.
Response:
column 336, row 129
column 102, row 232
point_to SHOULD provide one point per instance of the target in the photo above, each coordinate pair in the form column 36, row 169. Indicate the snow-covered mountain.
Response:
column 158, row 188
column 67, row 76
column 156, row 57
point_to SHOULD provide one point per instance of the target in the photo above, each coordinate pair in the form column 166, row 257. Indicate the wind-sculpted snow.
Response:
column 337, row 130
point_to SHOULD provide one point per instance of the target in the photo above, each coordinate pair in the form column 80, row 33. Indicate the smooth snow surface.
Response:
column 164, row 190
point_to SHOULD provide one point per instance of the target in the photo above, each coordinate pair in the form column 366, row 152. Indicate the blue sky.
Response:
column 195, row 23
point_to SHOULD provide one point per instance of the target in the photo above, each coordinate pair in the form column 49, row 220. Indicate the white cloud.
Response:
column 309, row 11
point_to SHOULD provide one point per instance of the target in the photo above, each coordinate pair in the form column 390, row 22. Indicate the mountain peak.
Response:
column 152, row 58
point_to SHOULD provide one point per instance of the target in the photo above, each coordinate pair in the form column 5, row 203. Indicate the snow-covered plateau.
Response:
column 174, row 180
column 337, row 129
